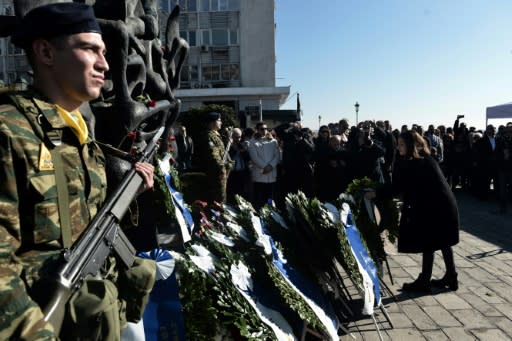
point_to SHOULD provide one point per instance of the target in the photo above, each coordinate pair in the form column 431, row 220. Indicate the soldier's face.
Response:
column 80, row 67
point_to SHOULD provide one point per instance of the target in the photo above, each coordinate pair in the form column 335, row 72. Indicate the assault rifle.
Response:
column 103, row 235
column 228, row 146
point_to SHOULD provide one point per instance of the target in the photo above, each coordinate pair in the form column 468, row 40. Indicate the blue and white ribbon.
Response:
column 163, row 317
column 183, row 215
column 309, row 293
column 365, row 263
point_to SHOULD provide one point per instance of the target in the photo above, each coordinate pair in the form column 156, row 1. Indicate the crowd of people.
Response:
column 268, row 163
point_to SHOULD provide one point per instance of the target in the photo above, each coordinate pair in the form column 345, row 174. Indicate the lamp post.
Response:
column 357, row 112
column 319, row 121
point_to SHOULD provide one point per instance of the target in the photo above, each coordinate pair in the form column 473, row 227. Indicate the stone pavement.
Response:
column 482, row 307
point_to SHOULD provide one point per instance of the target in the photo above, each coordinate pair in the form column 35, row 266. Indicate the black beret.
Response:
column 54, row 20
column 212, row 116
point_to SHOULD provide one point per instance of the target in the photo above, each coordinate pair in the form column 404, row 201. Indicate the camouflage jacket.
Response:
column 30, row 236
column 210, row 153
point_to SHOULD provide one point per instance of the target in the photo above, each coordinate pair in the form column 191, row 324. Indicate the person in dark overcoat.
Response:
column 430, row 217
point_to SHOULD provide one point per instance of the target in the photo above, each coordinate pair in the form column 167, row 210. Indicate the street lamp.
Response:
column 319, row 120
column 357, row 112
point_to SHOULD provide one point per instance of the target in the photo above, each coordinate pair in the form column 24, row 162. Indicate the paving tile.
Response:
column 472, row 319
column 503, row 290
column 427, row 300
column 405, row 260
column 400, row 320
column 505, row 309
column 450, row 301
column 442, row 317
column 498, row 266
column 462, row 262
column 435, row 335
column 407, row 334
column 486, row 294
column 420, row 319
column 485, row 308
column 490, row 335
column 458, row 334
column 504, row 324
column 396, row 272
column 481, row 275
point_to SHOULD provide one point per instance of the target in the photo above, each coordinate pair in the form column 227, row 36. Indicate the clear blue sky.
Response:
column 409, row 61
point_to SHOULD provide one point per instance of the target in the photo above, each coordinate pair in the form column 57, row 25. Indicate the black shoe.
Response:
column 449, row 281
column 421, row 284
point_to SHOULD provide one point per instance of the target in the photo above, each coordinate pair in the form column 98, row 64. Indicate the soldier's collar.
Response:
column 49, row 111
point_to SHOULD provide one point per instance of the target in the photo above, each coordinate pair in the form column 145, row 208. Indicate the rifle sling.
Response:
column 62, row 197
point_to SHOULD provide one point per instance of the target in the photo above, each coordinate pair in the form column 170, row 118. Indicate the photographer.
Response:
column 504, row 163
column 298, row 151
column 366, row 159
column 461, row 154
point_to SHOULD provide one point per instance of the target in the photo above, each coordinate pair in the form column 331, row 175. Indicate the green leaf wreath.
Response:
column 370, row 231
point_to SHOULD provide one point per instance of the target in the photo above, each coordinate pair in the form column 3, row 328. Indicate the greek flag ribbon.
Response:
column 183, row 215
column 365, row 263
column 305, row 289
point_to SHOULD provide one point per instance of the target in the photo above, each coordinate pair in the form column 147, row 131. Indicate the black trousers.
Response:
column 428, row 262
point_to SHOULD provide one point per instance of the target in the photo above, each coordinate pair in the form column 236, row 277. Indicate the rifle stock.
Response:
column 102, row 236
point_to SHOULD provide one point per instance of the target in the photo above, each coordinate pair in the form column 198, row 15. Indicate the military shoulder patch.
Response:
column 45, row 159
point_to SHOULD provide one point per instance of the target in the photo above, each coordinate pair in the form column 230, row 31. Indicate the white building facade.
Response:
column 231, row 60
column 232, row 57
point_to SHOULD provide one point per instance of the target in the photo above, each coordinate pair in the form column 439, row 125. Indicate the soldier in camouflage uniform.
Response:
column 211, row 159
column 66, row 51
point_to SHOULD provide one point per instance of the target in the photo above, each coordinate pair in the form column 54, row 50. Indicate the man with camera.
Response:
column 485, row 162
column 461, row 154
column 367, row 156
column 504, row 165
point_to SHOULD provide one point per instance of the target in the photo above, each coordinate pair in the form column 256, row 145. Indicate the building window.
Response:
column 219, row 37
column 219, row 5
column 235, row 72
column 220, row 72
column 185, row 5
column 205, row 37
column 14, row 50
column 215, row 72
column 225, row 71
column 214, row 5
column 204, row 5
column 189, row 73
column 233, row 37
column 194, row 72
column 168, row 5
column 190, row 37
column 223, row 5
column 206, row 71
column 234, row 5
column 192, row 6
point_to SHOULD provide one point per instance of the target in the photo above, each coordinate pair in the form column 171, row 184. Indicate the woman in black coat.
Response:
column 430, row 218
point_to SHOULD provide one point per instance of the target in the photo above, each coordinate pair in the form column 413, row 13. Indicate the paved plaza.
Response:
column 482, row 307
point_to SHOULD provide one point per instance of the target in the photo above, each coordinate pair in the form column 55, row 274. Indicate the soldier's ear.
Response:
column 44, row 52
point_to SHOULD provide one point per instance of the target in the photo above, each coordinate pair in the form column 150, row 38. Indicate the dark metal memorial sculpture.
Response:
column 138, row 96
